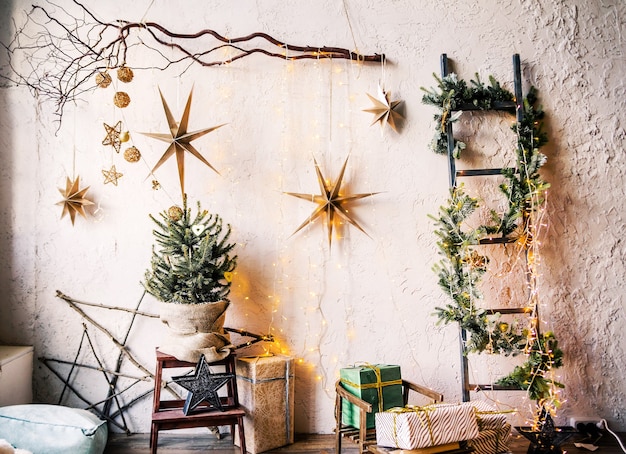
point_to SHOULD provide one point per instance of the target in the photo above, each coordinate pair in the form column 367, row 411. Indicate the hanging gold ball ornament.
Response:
column 103, row 79
column 125, row 74
column 121, row 99
column 132, row 154
column 124, row 136
column 175, row 213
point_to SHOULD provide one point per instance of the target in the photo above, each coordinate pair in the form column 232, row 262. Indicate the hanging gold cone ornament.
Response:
column 121, row 99
column 103, row 79
column 125, row 74
column 385, row 111
column 132, row 154
column 74, row 200
column 330, row 202
column 179, row 140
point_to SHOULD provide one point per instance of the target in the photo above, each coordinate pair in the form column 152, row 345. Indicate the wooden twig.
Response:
column 87, row 366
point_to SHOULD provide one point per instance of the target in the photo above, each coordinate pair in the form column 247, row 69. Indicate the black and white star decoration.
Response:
column 202, row 386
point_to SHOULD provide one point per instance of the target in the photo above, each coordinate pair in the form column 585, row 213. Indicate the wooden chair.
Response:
column 364, row 437
column 169, row 415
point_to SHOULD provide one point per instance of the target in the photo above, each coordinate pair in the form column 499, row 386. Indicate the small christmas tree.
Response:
column 193, row 264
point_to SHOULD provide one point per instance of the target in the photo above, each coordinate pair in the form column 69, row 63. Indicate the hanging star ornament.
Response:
column 180, row 140
column 330, row 202
column 202, row 386
column 114, row 136
column 74, row 200
column 112, row 175
column 385, row 110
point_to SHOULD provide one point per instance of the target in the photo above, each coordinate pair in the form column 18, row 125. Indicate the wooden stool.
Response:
column 168, row 414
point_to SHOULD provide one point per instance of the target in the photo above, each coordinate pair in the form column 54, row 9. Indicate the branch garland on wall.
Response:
column 73, row 46
column 462, row 268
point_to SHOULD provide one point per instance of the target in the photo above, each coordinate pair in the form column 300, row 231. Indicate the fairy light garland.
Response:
column 462, row 268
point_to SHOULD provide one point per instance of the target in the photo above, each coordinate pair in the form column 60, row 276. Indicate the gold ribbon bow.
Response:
column 414, row 409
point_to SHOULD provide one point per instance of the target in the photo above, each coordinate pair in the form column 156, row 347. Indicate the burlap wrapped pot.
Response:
column 193, row 330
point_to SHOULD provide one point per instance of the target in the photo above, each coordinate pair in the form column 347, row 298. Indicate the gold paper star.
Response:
column 180, row 140
column 111, row 176
column 113, row 136
column 384, row 110
column 330, row 202
column 74, row 200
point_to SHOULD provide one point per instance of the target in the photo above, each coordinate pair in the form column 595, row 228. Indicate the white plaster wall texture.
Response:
column 369, row 298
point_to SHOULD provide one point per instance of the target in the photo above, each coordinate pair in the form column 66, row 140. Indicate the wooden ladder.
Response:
column 507, row 106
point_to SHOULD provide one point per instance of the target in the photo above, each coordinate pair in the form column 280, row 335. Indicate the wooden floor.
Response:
column 173, row 443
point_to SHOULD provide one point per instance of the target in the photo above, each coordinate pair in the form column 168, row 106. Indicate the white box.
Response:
column 16, row 375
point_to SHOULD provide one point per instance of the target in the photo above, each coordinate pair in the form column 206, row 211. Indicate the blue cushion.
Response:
column 53, row 429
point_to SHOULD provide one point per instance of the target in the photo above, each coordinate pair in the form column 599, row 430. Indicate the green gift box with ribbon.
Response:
column 377, row 384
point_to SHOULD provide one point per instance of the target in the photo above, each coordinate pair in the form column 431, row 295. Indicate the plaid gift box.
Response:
column 419, row 427
column 377, row 384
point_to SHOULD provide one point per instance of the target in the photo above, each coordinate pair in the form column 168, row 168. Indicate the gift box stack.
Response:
column 378, row 384
column 265, row 386
column 494, row 430
column 437, row 425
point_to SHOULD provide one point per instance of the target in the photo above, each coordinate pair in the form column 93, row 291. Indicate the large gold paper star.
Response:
column 74, row 200
column 111, row 176
column 113, row 136
column 330, row 202
column 180, row 140
column 384, row 110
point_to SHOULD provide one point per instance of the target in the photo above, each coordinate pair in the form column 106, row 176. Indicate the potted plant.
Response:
column 190, row 274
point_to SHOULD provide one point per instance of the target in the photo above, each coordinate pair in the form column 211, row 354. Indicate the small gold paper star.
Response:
column 74, row 200
column 113, row 136
column 111, row 176
column 384, row 110
column 180, row 140
column 330, row 202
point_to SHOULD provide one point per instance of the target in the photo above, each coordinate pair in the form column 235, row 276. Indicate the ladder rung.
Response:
column 491, row 387
column 506, row 106
column 483, row 172
column 508, row 310
column 498, row 240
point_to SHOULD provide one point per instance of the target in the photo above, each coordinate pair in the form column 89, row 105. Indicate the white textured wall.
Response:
column 369, row 299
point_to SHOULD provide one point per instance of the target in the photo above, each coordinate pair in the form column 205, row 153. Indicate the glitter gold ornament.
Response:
column 121, row 99
column 112, row 175
column 132, row 154
column 175, row 213
column 125, row 74
column 103, row 79
column 113, row 136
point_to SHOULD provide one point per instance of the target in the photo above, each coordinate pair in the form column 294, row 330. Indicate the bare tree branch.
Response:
column 56, row 52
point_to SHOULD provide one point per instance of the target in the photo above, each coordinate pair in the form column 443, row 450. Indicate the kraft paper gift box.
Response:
column 265, row 385
column 420, row 427
column 377, row 384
